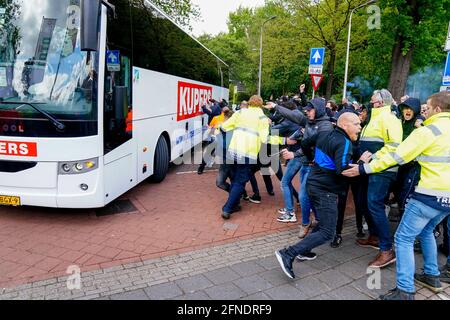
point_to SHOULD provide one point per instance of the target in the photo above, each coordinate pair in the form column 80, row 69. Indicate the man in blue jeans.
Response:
column 430, row 202
column 333, row 153
column 381, row 135
column 288, row 212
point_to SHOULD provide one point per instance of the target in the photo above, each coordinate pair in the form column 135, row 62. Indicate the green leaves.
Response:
column 182, row 11
column 420, row 26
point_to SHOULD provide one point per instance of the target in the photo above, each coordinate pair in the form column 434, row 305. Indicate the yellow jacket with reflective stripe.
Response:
column 251, row 129
column 383, row 133
column 430, row 146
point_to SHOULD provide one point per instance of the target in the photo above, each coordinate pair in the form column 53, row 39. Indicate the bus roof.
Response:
column 190, row 35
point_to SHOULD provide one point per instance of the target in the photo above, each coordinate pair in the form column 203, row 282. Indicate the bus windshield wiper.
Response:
column 58, row 125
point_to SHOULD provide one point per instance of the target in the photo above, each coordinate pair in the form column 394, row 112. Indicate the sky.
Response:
column 214, row 14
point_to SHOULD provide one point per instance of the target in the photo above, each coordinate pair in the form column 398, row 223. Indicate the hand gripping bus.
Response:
column 96, row 97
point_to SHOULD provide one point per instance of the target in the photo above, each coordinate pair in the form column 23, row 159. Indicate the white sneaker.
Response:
column 307, row 256
column 282, row 211
column 288, row 217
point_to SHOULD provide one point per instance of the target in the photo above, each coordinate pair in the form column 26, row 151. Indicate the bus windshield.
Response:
column 41, row 64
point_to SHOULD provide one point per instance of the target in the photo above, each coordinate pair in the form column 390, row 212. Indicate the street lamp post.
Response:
column 348, row 44
column 260, row 54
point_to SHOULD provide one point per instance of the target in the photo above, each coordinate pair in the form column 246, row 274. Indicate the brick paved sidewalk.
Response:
column 245, row 270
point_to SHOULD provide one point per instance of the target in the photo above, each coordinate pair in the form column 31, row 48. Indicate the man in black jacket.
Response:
column 333, row 153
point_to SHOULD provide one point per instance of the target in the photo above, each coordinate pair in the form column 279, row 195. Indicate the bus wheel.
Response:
column 161, row 161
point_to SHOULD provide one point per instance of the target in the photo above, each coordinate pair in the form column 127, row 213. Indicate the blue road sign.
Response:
column 317, row 56
column 446, row 78
column 113, row 60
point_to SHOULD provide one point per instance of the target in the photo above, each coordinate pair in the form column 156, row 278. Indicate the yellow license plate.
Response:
column 9, row 201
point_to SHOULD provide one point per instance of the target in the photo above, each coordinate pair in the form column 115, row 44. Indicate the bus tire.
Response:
column 160, row 161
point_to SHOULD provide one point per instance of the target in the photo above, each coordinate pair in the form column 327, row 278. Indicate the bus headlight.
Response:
column 77, row 167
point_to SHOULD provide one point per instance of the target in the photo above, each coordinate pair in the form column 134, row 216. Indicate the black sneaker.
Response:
column 201, row 168
column 245, row 196
column 337, row 241
column 271, row 193
column 307, row 256
column 397, row 294
column 428, row 281
column 360, row 234
column 445, row 273
column 256, row 198
column 285, row 262
column 236, row 209
column 226, row 215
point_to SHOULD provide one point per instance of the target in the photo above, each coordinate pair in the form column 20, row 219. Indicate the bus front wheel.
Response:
column 160, row 161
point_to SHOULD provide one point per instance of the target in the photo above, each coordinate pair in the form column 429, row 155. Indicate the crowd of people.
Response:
column 388, row 154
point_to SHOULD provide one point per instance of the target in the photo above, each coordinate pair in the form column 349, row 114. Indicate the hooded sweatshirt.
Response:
column 319, row 124
column 408, row 125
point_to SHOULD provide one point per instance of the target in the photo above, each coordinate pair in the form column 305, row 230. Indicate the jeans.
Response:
column 418, row 220
column 326, row 205
column 305, row 202
column 362, row 202
column 225, row 172
column 242, row 174
column 292, row 168
column 377, row 191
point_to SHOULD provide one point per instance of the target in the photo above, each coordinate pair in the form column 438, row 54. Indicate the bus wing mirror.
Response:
column 120, row 100
column 89, row 24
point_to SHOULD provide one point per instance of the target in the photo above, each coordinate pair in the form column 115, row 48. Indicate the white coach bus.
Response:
column 96, row 97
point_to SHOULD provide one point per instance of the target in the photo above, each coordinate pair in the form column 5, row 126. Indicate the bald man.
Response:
column 333, row 153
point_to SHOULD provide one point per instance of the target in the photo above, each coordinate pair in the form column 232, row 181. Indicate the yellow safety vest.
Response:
column 251, row 129
column 430, row 146
column 384, row 132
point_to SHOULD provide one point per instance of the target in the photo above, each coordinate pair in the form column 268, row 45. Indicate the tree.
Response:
column 418, row 29
column 182, row 11
column 326, row 23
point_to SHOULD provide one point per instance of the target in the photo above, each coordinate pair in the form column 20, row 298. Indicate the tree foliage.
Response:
column 182, row 11
column 303, row 24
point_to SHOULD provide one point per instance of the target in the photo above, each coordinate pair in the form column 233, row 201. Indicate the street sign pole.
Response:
column 314, row 93
column 447, row 42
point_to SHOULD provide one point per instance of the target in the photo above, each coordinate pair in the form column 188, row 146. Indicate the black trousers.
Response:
column 325, row 203
column 355, row 185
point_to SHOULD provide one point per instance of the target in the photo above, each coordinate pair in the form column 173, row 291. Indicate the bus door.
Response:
column 119, row 147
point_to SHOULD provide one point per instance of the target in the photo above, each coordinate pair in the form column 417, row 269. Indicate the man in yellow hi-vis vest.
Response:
column 382, row 134
column 429, row 204
column 250, row 129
